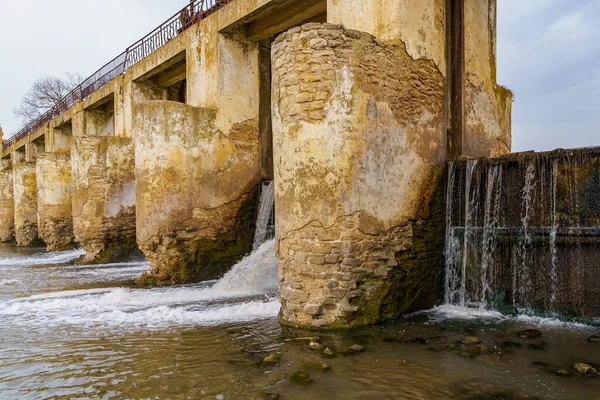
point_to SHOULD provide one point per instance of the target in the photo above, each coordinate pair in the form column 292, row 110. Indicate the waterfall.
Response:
column 522, row 273
column 470, row 211
column 490, row 230
column 265, row 213
column 553, row 234
column 523, row 231
column 452, row 243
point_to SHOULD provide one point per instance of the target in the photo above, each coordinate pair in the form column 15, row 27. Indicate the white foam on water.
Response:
column 245, row 293
column 9, row 282
column 454, row 312
column 57, row 257
column 448, row 312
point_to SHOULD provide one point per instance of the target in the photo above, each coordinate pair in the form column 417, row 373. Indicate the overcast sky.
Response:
column 548, row 55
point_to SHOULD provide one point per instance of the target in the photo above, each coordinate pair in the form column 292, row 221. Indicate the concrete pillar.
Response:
column 55, row 221
column 25, row 195
column 7, row 209
column 487, row 105
column 359, row 144
column 196, row 191
column 198, row 172
column 103, row 197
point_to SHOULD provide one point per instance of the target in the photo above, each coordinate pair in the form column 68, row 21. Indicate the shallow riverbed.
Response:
column 70, row 331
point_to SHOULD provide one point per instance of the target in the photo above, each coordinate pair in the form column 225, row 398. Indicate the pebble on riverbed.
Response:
column 585, row 369
column 315, row 346
column 529, row 334
column 272, row 359
column 471, row 340
column 355, row 348
column 301, row 378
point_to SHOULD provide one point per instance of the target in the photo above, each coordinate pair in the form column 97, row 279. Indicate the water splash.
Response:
column 58, row 257
column 265, row 213
column 245, row 293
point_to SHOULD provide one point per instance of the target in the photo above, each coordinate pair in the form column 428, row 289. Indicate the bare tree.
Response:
column 43, row 95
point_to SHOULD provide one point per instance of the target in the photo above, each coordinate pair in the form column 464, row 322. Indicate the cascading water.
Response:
column 524, row 230
column 248, row 291
column 265, row 214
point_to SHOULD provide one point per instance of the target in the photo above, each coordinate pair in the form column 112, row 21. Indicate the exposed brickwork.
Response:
column 355, row 116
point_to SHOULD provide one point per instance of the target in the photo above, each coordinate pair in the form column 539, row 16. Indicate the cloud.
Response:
column 548, row 54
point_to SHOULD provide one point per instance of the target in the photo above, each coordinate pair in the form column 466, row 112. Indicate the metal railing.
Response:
column 196, row 11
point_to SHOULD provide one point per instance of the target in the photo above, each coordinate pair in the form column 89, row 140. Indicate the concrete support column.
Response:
column 103, row 197
column 7, row 209
column 198, row 171
column 359, row 145
column 55, row 221
column 196, row 191
column 25, row 195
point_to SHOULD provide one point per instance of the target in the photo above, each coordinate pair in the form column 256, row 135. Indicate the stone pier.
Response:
column 7, row 209
column 104, row 197
column 198, row 172
column 25, row 196
column 55, row 222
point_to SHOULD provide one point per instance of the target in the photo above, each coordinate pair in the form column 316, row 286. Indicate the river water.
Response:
column 69, row 331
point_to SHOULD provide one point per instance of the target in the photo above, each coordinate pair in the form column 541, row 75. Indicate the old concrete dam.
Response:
column 196, row 218
column 385, row 139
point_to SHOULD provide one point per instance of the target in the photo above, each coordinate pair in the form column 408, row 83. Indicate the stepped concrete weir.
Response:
column 350, row 107
column 523, row 231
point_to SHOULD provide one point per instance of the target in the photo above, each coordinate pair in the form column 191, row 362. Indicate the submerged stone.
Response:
column 300, row 378
column 355, row 348
column 551, row 368
column 315, row 346
column 594, row 339
column 538, row 346
column 328, row 352
column 272, row 359
column 418, row 340
column 511, row 345
column 471, row 340
column 529, row 334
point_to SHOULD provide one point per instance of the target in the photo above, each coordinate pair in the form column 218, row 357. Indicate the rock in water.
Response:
column 583, row 368
column 594, row 339
column 471, row 340
column 355, row 348
column 272, row 359
column 328, row 352
column 529, row 334
column 301, row 378
column 315, row 346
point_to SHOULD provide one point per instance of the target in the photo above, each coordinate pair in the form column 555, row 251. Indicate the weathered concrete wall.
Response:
column 197, row 173
column 103, row 197
column 7, row 209
column 25, row 195
column 487, row 104
column 419, row 24
column 195, row 191
column 358, row 135
column 55, row 221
